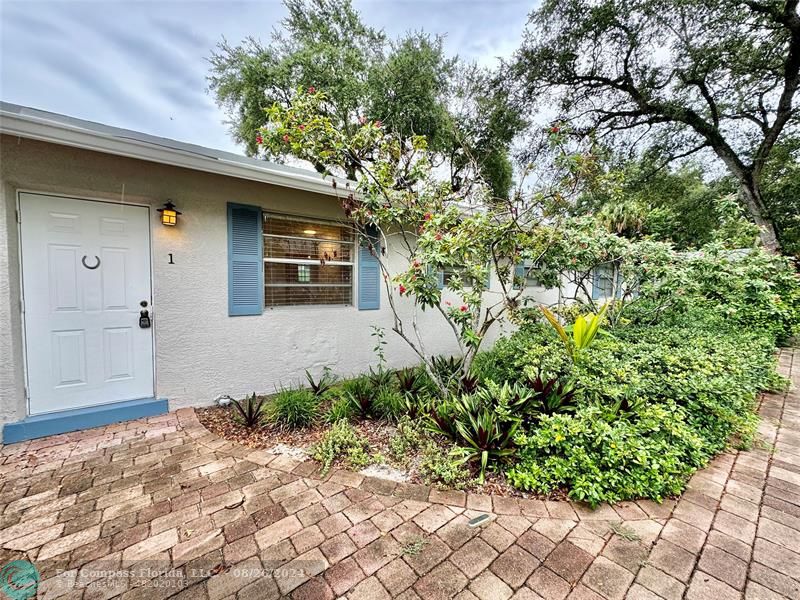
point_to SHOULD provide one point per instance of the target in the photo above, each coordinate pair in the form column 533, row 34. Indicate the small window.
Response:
column 450, row 273
column 525, row 270
column 307, row 262
column 603, row 282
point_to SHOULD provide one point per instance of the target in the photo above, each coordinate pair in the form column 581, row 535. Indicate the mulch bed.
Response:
column 220, row 420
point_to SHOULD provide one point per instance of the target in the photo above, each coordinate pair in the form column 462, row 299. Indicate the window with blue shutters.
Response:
column 245, row 260
column 369, row 272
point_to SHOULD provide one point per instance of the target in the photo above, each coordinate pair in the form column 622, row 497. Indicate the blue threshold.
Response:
column 82, row 418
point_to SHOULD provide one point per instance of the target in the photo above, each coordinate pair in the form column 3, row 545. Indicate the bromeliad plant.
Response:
column 414, row 387
column 450, row 370
column 484, row 431
column 360, row 393
column 511, row 398
column 410, row 381
column 584, row 330
column 553, row 394
column 250, row 410
column 440, row 416
column 482, row 425
column 322, row 385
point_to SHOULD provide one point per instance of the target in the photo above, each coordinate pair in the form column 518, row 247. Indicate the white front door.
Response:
column 85, row 270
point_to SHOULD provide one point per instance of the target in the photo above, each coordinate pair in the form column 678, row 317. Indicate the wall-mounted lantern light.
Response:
column 169, row 216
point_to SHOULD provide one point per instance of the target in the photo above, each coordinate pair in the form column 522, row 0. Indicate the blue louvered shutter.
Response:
column 369, row 273
column 245, row 260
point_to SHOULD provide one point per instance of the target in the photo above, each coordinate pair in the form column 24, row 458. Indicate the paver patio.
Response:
column 161, row 507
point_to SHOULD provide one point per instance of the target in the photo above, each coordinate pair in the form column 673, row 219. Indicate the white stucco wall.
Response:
column 12, row 399
column 201, row 352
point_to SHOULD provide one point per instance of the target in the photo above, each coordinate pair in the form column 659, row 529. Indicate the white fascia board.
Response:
column 58, row 133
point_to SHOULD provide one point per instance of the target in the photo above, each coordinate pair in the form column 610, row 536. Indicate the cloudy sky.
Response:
column 141, row 64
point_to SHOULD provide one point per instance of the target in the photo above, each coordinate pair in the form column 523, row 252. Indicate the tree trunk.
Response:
column 750, row 193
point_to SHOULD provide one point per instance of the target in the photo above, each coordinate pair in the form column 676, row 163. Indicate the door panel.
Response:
column 114, row 278
column 62, row 262
column 69, row 358
column 85, row 268
column 118, row 353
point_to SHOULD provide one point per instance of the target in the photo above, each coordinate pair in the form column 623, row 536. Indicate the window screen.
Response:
column 307, row 262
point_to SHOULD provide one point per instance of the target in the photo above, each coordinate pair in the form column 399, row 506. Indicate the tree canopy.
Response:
column 683, row 76
column 410, row 85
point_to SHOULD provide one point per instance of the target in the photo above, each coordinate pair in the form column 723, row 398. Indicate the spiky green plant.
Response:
column 484, row 432
column 323, row 384
column 250, row 410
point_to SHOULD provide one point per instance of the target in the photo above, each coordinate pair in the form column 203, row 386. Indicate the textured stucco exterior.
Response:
column 200, row 352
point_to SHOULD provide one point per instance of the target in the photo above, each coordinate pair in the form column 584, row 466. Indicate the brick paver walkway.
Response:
column 161, row 507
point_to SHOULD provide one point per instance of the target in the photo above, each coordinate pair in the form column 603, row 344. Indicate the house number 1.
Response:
column 171, row 262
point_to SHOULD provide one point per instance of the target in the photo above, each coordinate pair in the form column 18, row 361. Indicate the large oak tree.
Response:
column 687, row 75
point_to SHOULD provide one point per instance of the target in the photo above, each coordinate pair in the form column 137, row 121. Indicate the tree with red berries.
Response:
column 435, row 227
column 410, row 84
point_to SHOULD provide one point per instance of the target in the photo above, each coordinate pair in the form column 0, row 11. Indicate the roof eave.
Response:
column 59, row 133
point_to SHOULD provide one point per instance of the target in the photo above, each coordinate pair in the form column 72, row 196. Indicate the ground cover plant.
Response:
column 573, row 402
column 654, row 404
column 649, row 364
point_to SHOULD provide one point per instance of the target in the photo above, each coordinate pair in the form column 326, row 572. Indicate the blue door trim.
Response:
column 77, row 419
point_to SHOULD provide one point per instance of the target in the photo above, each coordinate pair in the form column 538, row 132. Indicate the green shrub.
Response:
column 649, row 455
column 668, row 396
column 438, row 461
column 408, row 438
column 713, row 372
column 752, row 289
column 342, row 443
column 294, row 408
column 444, row 467
column 531, row 351
column 389, row 403
column 361, row 395
column 340, row 408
